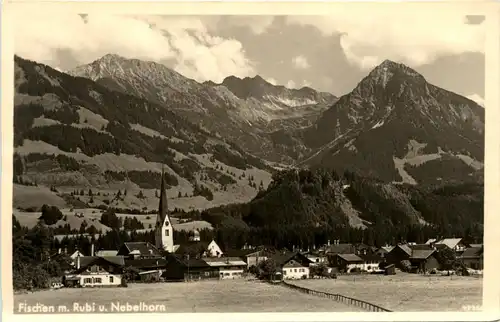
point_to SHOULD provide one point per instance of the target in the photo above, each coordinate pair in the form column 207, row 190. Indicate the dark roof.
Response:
column 341, row 249
column 404, row 247
column 371, row 257
column 473, row 252
column 420, row 247
column 192, row 248
column 144, row 248
column 350, row 257
column 86, row 261
column 191, row 262
column 146, row 262
column 284, row 257
column 362, row 246
column 421, row 253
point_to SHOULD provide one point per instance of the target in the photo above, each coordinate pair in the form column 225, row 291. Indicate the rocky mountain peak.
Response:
column 393, row 79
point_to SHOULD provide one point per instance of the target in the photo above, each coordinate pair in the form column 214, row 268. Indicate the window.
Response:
column 207, row 273
column 111, row 279
column 87, row 281
column 98, row 280
column 166, row 232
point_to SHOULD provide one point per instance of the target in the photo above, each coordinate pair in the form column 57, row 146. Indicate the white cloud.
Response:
column 408, row 35
column 186, row 40
column 300, row 62
column 271, row 81
column 476, row 98
column 293, row 85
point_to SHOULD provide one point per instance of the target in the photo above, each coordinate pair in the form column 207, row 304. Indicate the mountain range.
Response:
column 113, row 124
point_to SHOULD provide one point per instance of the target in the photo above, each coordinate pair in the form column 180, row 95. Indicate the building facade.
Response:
column 91, row 271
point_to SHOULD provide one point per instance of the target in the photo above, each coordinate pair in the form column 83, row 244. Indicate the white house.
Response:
column 96, row 272
column 292, row 265
column 294, row 270
column 213, row 250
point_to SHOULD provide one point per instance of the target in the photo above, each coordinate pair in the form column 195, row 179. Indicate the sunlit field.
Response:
column 405, row 292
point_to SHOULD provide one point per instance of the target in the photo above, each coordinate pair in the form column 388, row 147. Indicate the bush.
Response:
column 124, row 283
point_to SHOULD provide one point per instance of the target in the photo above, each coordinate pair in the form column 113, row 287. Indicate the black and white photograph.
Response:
column 214, row 163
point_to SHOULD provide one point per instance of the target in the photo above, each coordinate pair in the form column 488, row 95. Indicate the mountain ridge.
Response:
column 72, row 132
column 247, row 121
column 394, row 125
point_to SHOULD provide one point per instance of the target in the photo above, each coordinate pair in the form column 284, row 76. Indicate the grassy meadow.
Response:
column 405, row 292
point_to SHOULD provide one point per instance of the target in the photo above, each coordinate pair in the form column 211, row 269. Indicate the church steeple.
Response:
column 163, row 231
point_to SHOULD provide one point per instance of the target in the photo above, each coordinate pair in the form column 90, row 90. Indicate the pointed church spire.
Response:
column 163, row 205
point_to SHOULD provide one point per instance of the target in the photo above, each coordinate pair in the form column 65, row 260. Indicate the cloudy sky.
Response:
column 329, row 53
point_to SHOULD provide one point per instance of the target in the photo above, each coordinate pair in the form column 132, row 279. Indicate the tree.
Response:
column 109, row 218
column 318, row 270
column 83, row 227
column 50, row 214
column 446, row 258
column 267, row 269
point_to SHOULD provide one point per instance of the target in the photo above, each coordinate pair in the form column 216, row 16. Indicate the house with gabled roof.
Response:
column 95, row 271
column 292, row 265
column 200, row 249
column 251, row 256
column 384, row 250
column 184, row 268
column 398, row 254
column 347, row 262
column 455, row 244
column 424, row 260
column 229, row 267
column 458, row 245
column 472, row 257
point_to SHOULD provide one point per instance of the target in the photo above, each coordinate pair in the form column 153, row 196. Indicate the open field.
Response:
column 405, row 292
column 203, row 296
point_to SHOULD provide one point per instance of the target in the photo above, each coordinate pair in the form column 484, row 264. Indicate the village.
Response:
column 199, row 260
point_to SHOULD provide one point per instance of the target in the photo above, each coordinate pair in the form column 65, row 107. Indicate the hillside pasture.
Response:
column 75, row 217
column 405, row 292
column 203, row 296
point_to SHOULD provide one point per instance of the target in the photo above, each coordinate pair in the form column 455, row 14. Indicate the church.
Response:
column 164, row 234
column 164, row 231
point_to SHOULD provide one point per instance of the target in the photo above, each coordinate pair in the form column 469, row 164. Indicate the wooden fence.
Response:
column 337, row 297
